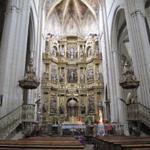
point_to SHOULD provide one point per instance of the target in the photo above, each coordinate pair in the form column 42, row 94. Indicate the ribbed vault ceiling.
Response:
column 75, row 13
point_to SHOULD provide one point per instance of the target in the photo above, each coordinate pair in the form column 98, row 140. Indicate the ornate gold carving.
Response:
column 78, row 75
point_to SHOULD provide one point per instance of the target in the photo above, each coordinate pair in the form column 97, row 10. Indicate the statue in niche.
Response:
column 83, row 109
column 61, row 109
column 91, row 105
column 53, row 105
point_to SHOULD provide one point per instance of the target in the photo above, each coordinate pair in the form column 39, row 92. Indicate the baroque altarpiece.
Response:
column 72, row 82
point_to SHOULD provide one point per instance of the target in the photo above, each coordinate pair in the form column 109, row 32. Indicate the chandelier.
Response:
column 30, row 80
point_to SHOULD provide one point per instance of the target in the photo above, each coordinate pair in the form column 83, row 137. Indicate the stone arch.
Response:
column 120, row 52
column 120, row 39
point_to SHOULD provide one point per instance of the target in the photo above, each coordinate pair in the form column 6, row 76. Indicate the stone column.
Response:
column 140, row 47
column 122, row 110
column 9, row 54
column 121, row 106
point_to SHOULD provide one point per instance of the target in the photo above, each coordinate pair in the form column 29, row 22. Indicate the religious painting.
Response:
column 72, row 76
column 90, row 74
column 53, row 104
column 91, row 104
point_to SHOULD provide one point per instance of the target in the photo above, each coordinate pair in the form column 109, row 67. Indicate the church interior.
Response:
column 75, row 74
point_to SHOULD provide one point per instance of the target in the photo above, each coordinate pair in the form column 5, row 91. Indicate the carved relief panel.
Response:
column 90, row 74
column 72, row 76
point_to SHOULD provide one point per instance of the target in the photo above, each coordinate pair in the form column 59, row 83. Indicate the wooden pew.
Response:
column 42, row 144
column 133, row 146
column 119, row 142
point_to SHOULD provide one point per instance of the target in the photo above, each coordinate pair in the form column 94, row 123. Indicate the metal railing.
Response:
column 139, row 112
